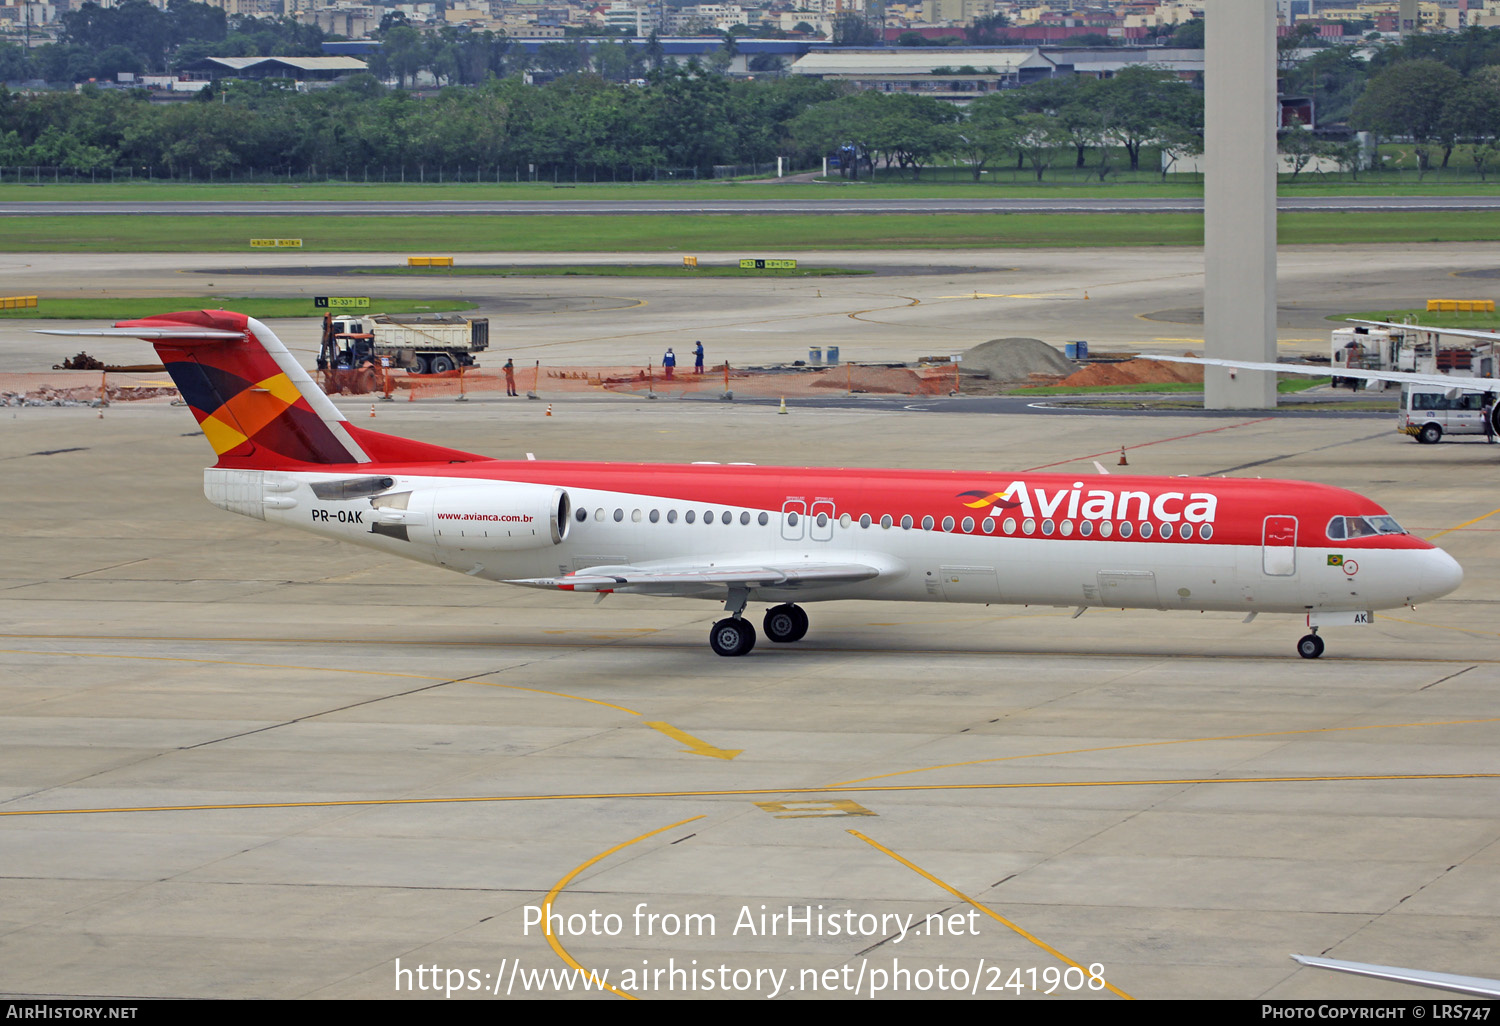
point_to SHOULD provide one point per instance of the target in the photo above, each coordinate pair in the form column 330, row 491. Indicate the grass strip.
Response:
column 996, row 184
column 1468, row 320
column 767, row 235
column 615, row 271
column 1284, row 384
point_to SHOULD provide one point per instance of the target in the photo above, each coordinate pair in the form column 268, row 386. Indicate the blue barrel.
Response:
column 1076, row 350
column 833, row 356
column 815, row 355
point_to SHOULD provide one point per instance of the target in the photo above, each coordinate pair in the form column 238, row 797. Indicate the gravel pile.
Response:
column 1016, row 359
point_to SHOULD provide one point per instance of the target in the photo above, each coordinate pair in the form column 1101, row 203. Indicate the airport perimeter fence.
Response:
column 748, row 170
column 558, row 175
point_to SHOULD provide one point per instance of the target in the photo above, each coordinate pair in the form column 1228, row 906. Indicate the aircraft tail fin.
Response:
column 258, row 407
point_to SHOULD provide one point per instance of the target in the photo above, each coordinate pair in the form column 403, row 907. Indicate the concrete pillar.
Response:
column 1239, row 231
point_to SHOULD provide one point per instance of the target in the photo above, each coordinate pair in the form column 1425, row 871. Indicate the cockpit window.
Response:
column 1341, row 528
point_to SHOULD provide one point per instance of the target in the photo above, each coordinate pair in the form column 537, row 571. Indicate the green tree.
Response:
column 1410, row 99
column 403, row 54
column 987, row 30
column 1141, row 104
column 911, row 130
column 1473, row 112
column 1189, row 34
column 990, row 130
column 1298, row 143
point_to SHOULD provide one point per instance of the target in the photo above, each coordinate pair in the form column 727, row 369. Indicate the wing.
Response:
column 1476, row 985
column 696, row 580
column 1451, row 382
column 1487, row 336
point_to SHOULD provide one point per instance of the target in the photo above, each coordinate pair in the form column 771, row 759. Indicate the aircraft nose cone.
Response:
column 1441, row 574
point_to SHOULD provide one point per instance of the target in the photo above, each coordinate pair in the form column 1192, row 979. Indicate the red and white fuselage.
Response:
column 944, row 536
column 740, row 534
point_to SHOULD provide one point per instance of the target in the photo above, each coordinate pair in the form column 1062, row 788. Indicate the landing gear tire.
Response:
column 785, row 623
column 1310, row 647
column 1430, row 434
column 732, row 636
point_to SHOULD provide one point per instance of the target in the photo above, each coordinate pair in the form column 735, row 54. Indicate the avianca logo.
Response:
column 980, row 500
column 1097, row 504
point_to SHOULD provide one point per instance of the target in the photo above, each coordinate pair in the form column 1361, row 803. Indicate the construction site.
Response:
column 990, row 368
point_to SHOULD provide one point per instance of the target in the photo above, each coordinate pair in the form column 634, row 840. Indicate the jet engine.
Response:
column 496, row 517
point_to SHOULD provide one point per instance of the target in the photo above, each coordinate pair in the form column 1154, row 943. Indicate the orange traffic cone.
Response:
column 372, row 409
column 549, row 409
column 1123, row 461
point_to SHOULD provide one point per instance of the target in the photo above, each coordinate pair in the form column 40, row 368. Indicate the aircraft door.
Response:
column 821, row 516
column 1279, row 546
column 793, row 519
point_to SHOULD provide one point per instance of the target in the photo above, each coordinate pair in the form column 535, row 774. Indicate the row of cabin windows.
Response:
column 1029, row 526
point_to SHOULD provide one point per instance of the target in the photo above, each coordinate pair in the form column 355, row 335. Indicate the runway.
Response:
column 245, row 762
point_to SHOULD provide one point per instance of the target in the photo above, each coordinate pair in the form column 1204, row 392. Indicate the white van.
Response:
column 1427, row 414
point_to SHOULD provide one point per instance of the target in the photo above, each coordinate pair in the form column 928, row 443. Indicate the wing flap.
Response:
column 693, row 579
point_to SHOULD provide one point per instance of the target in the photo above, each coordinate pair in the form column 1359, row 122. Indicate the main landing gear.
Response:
column 1311, row 646
column 785, row 623
column 734, row 635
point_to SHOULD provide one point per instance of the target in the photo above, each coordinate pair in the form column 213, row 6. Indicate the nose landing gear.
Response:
column 1311, row 646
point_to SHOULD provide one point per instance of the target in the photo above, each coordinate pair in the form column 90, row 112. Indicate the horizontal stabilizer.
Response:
column 146, row 333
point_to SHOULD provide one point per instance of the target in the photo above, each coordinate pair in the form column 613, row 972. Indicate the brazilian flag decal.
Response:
column 1334, row 560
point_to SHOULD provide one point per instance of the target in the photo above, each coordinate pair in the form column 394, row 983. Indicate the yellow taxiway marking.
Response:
column 1049, row 949
column 744, row 792
column 1160, row 744
column 558, row 887
column 321, row 669
column 1199, row 341
column 911, row 301
column 1009, row 295
column 1460, row 527
column 695, row 746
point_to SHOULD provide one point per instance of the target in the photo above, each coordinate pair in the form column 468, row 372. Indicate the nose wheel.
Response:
column 733, row 636
column 785, row 623
column 1310, row 647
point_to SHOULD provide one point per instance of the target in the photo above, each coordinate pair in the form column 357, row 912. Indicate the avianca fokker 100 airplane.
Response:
column 738, row 534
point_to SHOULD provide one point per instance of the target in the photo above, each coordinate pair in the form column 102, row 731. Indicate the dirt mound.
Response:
column 1016, row 359
column 882, row 380
column 1134, row 372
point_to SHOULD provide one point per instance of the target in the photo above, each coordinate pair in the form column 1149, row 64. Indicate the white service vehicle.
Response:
column 1429, row 413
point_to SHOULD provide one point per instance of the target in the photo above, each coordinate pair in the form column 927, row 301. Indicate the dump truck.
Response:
column 416, row 343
